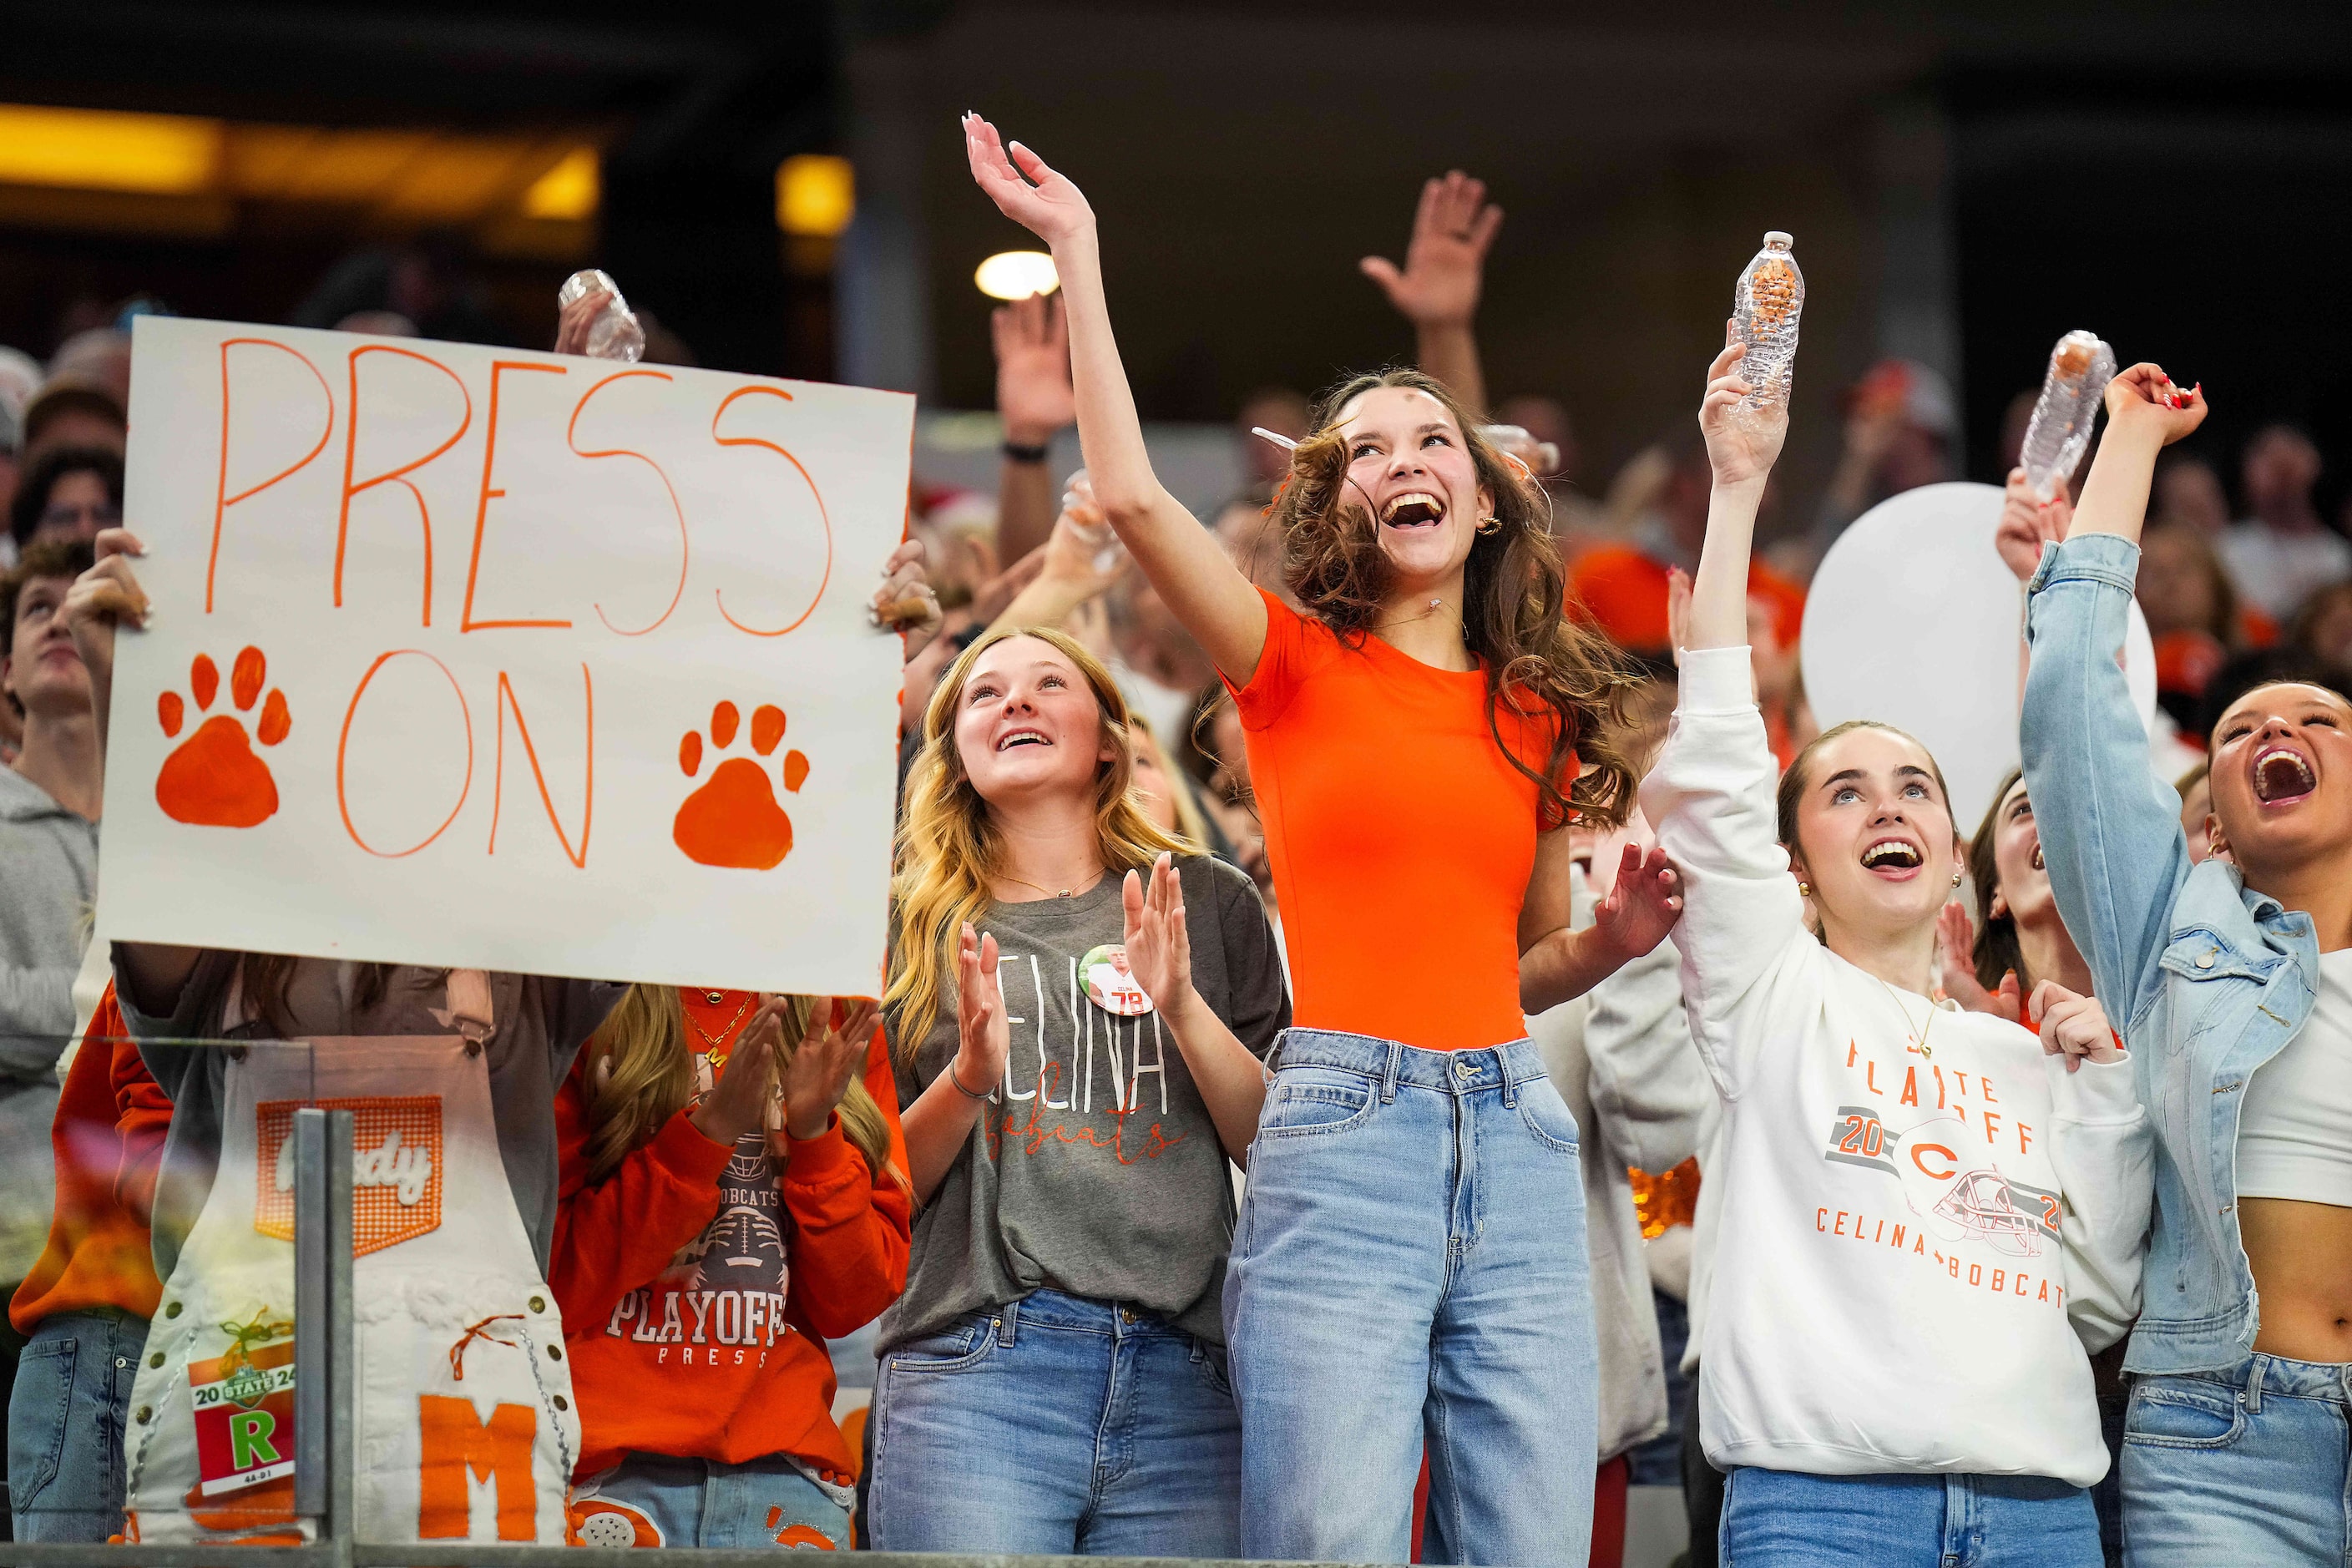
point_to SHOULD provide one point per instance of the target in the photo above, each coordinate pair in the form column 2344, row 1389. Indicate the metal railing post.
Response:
column 342, row 1510
column 312, row 1378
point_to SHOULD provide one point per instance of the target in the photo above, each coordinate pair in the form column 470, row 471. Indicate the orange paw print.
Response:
column 214, row 779
column 733, row 819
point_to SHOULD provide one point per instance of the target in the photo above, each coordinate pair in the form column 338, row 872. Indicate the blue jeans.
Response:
column 1409, row 1275
column 2246, row 1466
column 65, row 1426
column 1786, row 1518
column 1056, row 1424
column 653, row 1499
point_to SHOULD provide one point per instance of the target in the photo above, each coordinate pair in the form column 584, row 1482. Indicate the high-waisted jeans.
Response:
column 65, row 1426
column 1410, row 1272
column 1788, row 1519
column 2252, row 1465
column 1057, row 1425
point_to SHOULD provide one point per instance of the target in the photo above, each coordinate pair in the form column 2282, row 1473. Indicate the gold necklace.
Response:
column 1921, row 1045
column 711, row 1055
column 1065, row 893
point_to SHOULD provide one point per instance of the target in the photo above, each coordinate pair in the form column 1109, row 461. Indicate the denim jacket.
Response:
column 2208, row 979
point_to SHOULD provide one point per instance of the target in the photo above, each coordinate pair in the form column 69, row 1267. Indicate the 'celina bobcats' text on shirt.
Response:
column 1921, row 1211
column 1094, row 1168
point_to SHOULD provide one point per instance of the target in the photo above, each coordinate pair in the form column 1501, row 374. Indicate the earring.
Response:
column 1956, row 878
column 1804, row 889
column 1490, row 524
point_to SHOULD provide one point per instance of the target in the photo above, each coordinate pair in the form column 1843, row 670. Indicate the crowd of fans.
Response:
column 2233, row 596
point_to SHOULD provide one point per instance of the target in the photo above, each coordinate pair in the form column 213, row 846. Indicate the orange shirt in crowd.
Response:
column 696, row 1327
column 1622, row 591
column 1401, row 837
column 108, row 1142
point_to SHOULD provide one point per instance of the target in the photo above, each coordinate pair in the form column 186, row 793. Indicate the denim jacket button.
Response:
column 2205, row 958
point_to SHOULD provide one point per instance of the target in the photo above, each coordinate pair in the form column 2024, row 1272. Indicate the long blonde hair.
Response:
column 949, row 844
column 641, row 1073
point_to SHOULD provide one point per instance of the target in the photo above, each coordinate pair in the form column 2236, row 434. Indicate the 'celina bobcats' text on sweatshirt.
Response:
column 1928, row 1224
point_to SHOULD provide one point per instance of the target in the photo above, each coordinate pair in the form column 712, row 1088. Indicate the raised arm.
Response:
column 2110, row 829
column 1034, row 400
column 1437, row 290
column 1742, row 444
column 1710, row 794
column 1183, row 559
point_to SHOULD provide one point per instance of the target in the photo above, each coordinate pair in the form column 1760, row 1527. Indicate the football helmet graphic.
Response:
column 1975, row 1203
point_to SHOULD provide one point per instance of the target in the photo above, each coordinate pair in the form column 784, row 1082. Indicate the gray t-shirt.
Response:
column 48, row 875
column 1095, row 1169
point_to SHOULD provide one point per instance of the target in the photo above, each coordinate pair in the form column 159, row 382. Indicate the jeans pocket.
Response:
column 1315, row 1100
column 2183, row 1413
column 1547, row 1116
column 958, row 1348
column 1210, row 1362
column 39, row 1410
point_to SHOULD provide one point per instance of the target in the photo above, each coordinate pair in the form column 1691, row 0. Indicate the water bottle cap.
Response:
column 1775, row 240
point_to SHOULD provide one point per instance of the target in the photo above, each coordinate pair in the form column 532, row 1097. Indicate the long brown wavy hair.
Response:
column 948, row 845
column 641, row 1073
column 1997, row 950
column 1514, row 612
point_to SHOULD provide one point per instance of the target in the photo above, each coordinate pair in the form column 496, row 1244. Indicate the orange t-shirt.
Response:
column 1622, row 591
column 1401, row 837
column 108, row 1142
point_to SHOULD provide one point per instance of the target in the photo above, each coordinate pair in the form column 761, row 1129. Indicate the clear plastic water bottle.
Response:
column 2080, row 368
column 1765, row 306
column 1107, row 551
column 614, row 334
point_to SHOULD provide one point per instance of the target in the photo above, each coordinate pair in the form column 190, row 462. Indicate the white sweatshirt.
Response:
column 1914, row 1231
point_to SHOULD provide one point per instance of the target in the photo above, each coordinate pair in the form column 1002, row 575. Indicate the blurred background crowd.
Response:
column 784, row 191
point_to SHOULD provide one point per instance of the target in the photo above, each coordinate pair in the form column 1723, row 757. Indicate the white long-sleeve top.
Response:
column 1926, row 1223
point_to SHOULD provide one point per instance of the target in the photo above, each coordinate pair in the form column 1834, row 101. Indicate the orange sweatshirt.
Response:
column 698, row 1281
column 109, row 1140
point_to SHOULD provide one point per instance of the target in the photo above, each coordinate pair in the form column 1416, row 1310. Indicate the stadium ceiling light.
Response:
column 816, row 196
column 154, row 154
column 1016, row 275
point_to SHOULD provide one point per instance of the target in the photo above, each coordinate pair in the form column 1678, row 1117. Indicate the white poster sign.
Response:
column 477, row 656
column 1913, row 620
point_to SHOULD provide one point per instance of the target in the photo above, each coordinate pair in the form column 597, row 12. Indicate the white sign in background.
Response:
column 1913, row 620
column 485, row 657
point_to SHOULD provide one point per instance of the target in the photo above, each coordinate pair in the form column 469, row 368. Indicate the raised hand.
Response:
column 2143, row 401
column 573, row 321
column 1082, row 551
column 738, row 1103
column 830, row 1053
column 1045, row 203
column 905, row 602
column 1159, row 950
column 1742, row 443
column 1643, row 905
column 1956, row 942
column 1034, row 397
column 101, row 598
column 2027, row 524
column 2075, row 1027
column 1446, row 261
column 984, row 1036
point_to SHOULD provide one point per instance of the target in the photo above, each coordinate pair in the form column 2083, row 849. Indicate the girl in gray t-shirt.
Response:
column 1074, row 1090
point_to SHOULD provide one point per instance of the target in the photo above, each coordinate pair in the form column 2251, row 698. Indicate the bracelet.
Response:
column 1016, row 452
column 968, row 1094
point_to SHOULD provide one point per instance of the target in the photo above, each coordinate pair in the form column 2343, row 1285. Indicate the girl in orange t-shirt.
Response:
column 1408, row 1267
column 728, row 1198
